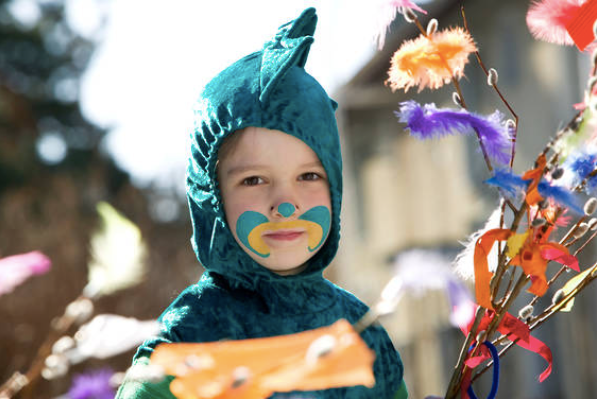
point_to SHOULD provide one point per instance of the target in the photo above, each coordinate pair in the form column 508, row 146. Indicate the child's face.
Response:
column 276, row 198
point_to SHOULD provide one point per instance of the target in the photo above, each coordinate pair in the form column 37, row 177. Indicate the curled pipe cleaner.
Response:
column 426, row 122
column 496, row 372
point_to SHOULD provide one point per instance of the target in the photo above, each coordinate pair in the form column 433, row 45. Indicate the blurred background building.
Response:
column 403, row 194
column 400, row 194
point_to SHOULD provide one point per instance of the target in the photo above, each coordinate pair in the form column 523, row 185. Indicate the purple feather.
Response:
column 560, row 195
column 427, row 122
column 95, row 384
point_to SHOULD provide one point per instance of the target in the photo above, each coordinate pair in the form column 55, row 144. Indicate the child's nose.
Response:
column 285, row 209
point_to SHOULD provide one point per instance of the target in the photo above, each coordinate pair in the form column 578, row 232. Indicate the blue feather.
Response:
column 508, row 181
column 560, row 195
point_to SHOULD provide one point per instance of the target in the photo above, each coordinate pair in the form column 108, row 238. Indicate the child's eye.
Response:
column 310, row 176
column 252, row 181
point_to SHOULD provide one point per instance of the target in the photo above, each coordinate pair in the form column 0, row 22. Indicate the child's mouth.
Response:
column 283, row 235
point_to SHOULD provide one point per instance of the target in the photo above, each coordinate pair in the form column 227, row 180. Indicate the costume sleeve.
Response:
column 136, row 389
column 388, row 367
column 402, row 391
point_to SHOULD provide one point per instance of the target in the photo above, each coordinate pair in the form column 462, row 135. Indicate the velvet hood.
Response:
column 270, row 89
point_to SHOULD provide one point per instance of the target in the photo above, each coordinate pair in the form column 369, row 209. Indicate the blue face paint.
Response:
column 286, row 209
column 245, row 224
column 322, row 216
column 250, row 226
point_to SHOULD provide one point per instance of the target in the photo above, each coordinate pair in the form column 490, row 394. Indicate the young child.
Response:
column 264, row 187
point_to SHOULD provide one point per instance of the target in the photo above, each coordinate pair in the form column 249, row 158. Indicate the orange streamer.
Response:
column 482, row 274
column 256, row 368
column 533, row 260
column 533, row 197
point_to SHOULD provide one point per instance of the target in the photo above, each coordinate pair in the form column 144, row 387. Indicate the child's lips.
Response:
column 283, row 235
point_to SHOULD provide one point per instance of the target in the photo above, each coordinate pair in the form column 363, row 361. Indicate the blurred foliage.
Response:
column 52, row 175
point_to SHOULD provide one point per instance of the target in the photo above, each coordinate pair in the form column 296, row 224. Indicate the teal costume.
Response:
column 237, row 298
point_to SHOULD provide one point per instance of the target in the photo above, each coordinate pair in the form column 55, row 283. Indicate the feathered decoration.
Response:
column 584, row 164
column 430, row 62
column 511, row 182
column 578, row 166
column 387, row 13
column 426, row 122
column 330, row 356
column 422, row 270
column 93, row 385
column 463, row 264
column 506, row 180
column 547, row 19
column 16, row 269
column 117, row 254
column 109, row 335
column 560, row 195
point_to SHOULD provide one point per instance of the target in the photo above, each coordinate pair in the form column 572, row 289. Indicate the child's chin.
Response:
column 284, row 266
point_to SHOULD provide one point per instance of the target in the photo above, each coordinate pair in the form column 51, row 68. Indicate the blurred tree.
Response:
column 52, row 174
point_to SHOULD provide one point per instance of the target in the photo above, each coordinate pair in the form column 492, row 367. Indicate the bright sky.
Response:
column 157, row 54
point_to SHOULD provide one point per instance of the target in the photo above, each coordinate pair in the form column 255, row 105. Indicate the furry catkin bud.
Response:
column 511, row 125
column 581, row 230
column 456, row 99
column 592, row 224
column 590, row 206
column 409, row 15
column 319, row 348
column 492, row 77
column 526, row 312
column 432, row 26
column 480, row 336
column 64, row 344
column 592, row 82
column 146, row 373
column 558, row 296
column 543, row 204
column 557, row 173
column 240, row 376
column 538, row 222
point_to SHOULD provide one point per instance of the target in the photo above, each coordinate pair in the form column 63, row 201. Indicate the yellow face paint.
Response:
column 251, row 225
column 314, row 232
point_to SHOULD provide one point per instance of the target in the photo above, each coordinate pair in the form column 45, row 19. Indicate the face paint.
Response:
column 251, row 225
column 286, row 209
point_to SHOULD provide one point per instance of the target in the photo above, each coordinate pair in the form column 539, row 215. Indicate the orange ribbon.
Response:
column 331, row 356
column 533, row 259
column 533, row 197
column 482, row 274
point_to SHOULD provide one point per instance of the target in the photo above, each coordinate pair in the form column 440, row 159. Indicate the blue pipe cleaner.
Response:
column 496, row 372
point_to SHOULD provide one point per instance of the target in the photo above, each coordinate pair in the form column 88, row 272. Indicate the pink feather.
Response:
column 387, row 13
column 402, row 4
column 547, row 19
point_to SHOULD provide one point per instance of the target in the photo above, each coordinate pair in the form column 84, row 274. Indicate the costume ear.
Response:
column 290, row 47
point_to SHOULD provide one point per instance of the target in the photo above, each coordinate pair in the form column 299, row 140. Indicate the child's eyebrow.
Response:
column 316, row 163
column 241, row 169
